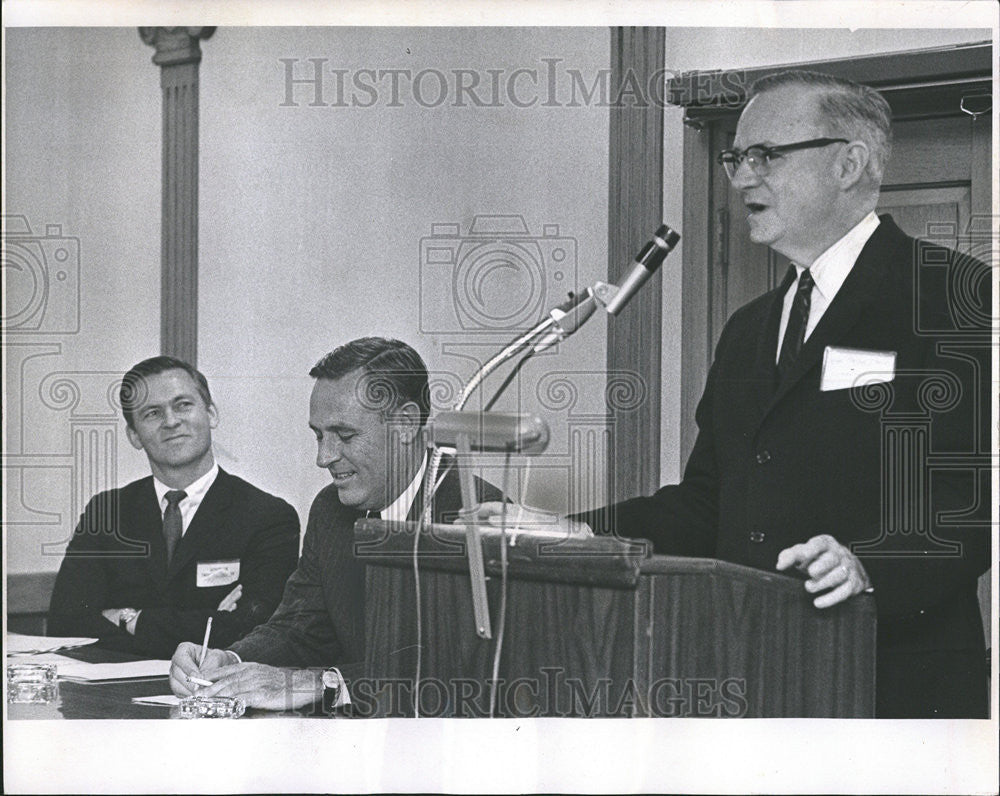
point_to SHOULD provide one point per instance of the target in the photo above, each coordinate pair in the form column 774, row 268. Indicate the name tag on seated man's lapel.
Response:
column 217, row 573
column 855, row 367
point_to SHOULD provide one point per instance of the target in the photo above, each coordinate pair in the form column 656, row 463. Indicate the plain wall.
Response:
column 81, row 269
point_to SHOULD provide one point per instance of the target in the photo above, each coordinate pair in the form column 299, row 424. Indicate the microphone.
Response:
column 576, row 311
column 646, row 263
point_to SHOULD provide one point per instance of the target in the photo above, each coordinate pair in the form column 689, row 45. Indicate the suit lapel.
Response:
column 417, row 506
column 764, row 371
column 205, row 523
column 858, row 291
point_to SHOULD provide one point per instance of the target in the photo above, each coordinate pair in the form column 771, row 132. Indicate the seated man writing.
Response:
column 368, row 409
column 150, row 562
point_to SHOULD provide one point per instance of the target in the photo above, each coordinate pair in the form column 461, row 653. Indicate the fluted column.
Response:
column 178, row 54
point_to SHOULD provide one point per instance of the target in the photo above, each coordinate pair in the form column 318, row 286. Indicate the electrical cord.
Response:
column 502, row 618
column 420, row 641
column 416, row 584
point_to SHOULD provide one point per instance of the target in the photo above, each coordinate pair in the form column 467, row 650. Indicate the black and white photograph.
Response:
column 501, row 397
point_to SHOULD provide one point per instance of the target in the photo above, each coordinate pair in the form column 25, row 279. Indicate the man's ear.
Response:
column 406, row 421
column 853, row 163
column 133, row 437
column 213, row 416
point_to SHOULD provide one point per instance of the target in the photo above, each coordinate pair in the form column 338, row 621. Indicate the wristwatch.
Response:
column 125, row 616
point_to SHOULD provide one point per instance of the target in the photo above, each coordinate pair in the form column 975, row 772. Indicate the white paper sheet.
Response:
column 91, row 672
column 19, row 644
column 43, row 657
column 170, row 700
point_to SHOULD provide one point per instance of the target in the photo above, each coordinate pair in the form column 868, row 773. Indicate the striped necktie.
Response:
column 795, row 331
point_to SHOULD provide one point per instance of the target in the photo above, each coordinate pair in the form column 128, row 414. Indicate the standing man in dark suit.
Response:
column 368, row 409
column 829, row 395
column 150, row 562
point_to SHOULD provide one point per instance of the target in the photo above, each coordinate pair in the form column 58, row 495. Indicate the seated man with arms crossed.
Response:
column 368, row 409
column 150, row 562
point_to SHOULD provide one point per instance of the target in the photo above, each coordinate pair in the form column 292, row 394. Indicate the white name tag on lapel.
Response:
column 217, row 573
column 855, row 367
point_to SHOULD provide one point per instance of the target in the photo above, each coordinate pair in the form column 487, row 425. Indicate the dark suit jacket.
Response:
column 117, row 559
column 874, row 468
column 321, row 619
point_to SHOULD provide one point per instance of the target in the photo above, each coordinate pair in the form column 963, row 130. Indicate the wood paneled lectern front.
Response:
column 592, row 627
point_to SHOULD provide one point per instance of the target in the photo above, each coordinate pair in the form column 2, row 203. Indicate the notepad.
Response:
column 19, row 644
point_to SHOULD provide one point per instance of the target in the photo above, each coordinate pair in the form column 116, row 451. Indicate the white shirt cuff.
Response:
column 343, row 696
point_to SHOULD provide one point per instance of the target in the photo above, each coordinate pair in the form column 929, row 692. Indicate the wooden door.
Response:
column 939, row 177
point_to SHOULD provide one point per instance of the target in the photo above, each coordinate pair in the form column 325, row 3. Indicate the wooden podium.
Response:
column 595, row 628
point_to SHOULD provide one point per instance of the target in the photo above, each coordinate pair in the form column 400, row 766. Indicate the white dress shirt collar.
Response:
column 399, row 509
column 831, row 268
column 195, row 492
column 828, row 271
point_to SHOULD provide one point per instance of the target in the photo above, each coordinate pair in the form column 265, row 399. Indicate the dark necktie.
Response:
column 172, row 523
column 795, row 331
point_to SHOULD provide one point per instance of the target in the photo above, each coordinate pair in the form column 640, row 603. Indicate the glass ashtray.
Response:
column 32, row 683
column 215, row 707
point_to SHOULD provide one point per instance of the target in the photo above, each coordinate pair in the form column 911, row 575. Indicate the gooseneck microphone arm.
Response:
column 561, row 322
column 569, row 316
column 511, row 350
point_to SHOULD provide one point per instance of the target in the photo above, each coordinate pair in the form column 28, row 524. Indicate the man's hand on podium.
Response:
column 831, row 568
column 525, row 519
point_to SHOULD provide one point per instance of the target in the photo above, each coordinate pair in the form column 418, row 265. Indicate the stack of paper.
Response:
column 168, row 700
column 43, row 657
column 18, row 644
column 81, row 671
column 93, row 672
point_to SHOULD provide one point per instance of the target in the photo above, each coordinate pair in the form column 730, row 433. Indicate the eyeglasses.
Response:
column 759, row 157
